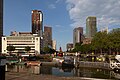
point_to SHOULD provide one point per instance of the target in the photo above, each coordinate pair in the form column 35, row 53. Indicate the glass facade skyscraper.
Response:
column 91, row 28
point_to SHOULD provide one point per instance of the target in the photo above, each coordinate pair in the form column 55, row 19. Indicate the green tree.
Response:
column 99, row 41
column 86, row 48
column 114, row 40
column 10, row 49
column 102, row 42
column 27, row 49
column 49, row 50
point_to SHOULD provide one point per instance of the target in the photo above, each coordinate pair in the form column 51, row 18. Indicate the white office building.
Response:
column 20, row 40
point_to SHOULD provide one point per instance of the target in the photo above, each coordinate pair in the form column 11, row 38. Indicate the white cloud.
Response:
column 57, row 1
column 52, row 6
column 58, row 26
column 106, row 11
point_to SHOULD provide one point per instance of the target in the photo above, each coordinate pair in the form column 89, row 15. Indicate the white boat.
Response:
column 115, row 63
column 68, row 62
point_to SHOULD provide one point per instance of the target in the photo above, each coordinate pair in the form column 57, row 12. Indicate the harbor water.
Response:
column 64, row 72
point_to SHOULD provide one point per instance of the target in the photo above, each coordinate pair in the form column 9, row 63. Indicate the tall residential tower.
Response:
column 37, row 25
column 91, row 28
column 37, row 22
column 1, row 23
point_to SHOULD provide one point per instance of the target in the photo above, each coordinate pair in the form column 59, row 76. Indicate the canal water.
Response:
column 65, row 72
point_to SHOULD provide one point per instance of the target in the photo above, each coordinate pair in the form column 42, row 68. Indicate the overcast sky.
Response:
column 62, row 15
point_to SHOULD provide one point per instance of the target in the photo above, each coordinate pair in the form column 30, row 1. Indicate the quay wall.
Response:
column 101, row 65
column 50, row 64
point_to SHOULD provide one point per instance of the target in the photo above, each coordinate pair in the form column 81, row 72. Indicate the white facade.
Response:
column 20, row 42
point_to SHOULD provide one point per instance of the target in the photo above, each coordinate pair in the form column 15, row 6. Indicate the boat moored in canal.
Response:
column 68, row 61
column 32, row 61
column 115, row 63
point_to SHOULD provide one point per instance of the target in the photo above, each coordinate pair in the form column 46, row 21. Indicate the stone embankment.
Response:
column 101, row 65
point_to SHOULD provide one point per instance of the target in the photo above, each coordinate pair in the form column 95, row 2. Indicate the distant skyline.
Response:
column 62, row 15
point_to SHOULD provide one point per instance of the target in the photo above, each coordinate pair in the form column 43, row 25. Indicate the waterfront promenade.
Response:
column 28, row 76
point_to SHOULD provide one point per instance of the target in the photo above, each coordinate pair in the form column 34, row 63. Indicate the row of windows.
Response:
column 20, row 38
column 23, row 46
column 20, row 44
column 21, row 41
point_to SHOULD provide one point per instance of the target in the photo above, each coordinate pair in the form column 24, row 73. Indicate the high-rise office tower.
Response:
column 77, row 35
column 1, row 23
column 91, row 28
column 47, row 36
column 37, row 22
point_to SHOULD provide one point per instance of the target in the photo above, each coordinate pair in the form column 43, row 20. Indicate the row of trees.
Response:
column 27, row 49
column 12, row 48
column 49, row 50
column 102, row 42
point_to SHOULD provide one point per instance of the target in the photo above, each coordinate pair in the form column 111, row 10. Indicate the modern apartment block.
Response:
column 1, row 24
column 91, row 28
column 47, row 36
column 20, row 40
column 77, row 35
column 37, row 22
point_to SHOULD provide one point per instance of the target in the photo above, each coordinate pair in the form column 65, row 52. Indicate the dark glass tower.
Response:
column 47, row 36
column 1, row 23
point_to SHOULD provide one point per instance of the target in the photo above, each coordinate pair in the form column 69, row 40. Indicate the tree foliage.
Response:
column 27, row 48
column 49, row 50
column 10, row 48
column 102, row 42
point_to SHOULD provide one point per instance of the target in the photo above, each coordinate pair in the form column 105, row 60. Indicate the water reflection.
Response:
column 45, row 70
column 92, row 73
column 34, row 69
column 66, row 72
